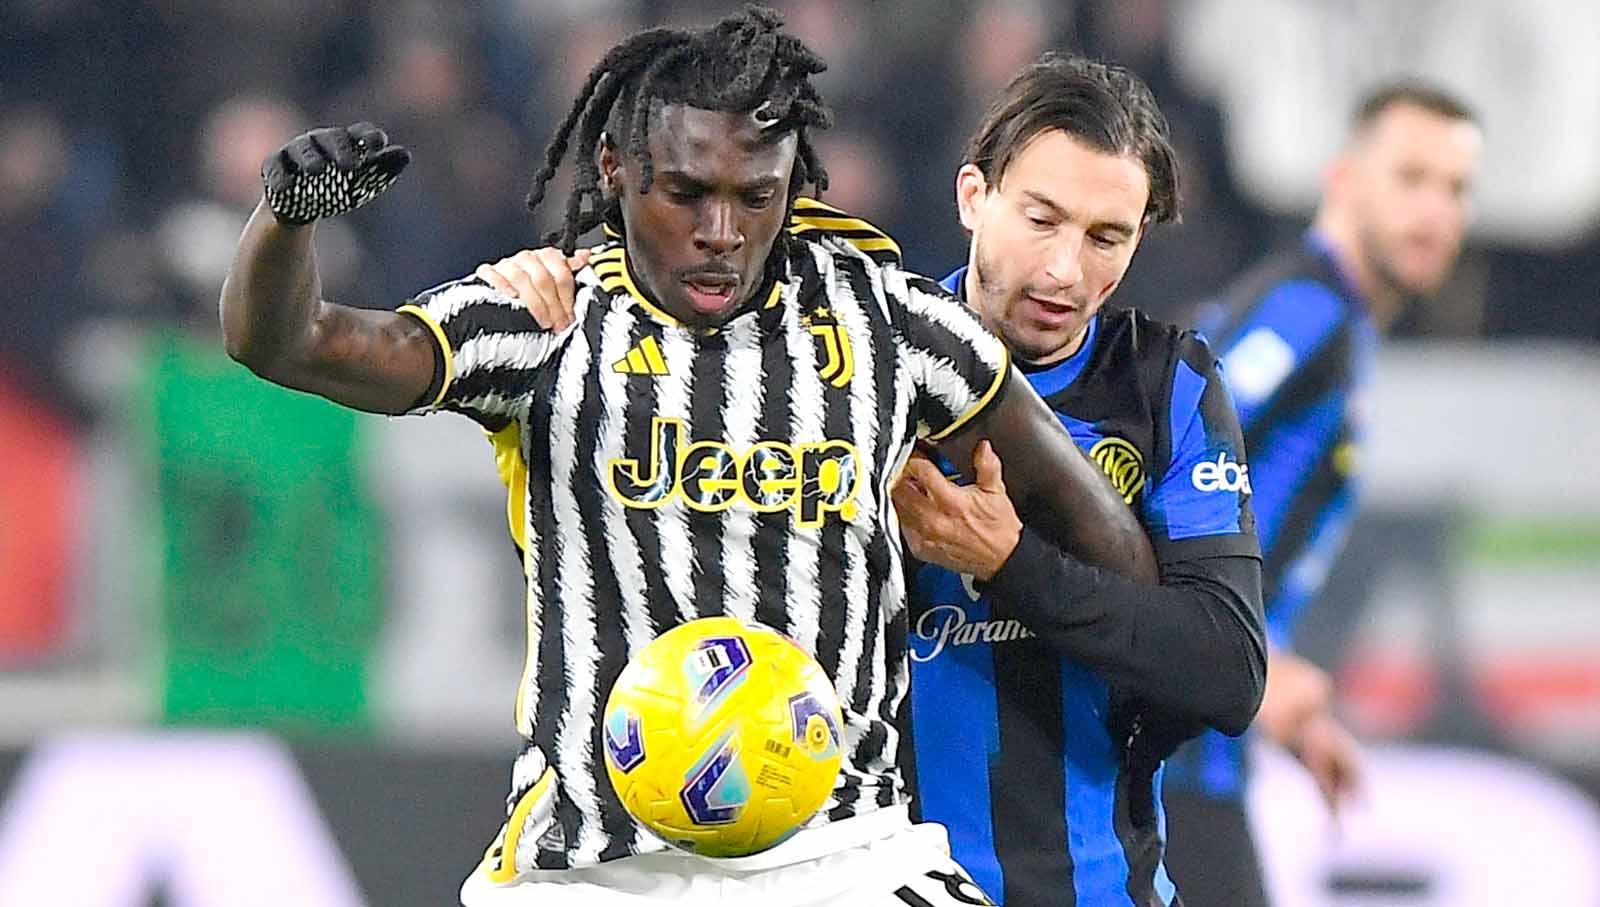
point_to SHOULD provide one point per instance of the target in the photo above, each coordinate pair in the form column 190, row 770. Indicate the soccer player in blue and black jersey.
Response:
column 1297, row 335
column 1045, row 692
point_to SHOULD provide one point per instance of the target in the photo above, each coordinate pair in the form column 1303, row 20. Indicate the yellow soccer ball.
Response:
column 722, row 737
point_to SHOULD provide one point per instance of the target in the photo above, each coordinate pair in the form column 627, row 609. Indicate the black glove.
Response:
column 326, row 172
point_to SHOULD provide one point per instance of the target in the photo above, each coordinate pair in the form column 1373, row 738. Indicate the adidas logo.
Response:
column 643, row 359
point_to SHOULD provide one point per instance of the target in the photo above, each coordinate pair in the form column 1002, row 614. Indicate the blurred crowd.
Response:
column 132, row 132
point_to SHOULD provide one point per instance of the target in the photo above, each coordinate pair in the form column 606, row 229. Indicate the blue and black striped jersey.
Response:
column 1297, row 343
column 1047, row 771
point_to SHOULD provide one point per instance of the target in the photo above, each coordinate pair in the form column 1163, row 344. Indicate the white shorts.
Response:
column 888, row 863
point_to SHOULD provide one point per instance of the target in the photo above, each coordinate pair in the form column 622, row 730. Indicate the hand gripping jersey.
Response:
column 1047, row 775
column 661, row 473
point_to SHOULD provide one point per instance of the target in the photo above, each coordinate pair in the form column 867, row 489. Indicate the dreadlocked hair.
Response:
column 742, row 63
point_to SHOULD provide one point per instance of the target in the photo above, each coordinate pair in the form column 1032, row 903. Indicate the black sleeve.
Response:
column 1195, row 644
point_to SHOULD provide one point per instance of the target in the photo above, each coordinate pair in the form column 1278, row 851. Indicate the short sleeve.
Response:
column 959, row 369
column 1200, row 506
column 490, row 349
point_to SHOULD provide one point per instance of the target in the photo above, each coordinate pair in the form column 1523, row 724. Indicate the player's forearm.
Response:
column 275, row 322
column 270, row 295
column 1193, row 644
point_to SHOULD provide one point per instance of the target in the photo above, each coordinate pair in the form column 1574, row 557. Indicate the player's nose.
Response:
column 717, row 230
column 1065, row 262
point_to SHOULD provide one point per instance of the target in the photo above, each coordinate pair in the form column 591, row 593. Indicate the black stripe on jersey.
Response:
column 771, row 529
column 550, row 666
column 905, row 894
column 833, row 612
column 610, row 636
column 878, row 558
column 834, row 608
column 1026, row 723
column 492, row 379
column 707, row 401
column 641, row 410
column 490, row 318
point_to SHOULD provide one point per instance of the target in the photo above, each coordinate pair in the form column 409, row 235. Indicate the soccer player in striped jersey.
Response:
column 1045, row 692
column 1297, row 334
column 715, row 432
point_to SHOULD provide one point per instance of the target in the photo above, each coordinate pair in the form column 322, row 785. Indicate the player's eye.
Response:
column 682, row 196
column 1040, row 223
column 758, row 200
column 1105, row 241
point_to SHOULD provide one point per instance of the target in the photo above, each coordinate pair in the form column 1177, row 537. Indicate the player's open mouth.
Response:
column 1051, row 311
column 710, row 292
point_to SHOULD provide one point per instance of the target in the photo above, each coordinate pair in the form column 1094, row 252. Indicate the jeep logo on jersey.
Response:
column 1221, row 474
column 949, row 625
column 1123, row 465
column 813, row 479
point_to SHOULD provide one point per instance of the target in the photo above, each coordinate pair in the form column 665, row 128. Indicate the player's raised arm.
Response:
column 274, row 319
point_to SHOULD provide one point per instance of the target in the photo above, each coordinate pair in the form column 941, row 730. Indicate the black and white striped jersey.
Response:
column 668, row 473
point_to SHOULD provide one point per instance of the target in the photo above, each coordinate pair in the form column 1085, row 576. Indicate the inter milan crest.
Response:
column 1122, row 464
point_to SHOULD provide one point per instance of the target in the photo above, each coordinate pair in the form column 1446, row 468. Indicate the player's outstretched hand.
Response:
column 326, row 172
column 540, row 279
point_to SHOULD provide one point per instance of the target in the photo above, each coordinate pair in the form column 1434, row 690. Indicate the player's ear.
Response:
column 609, row 163
column 971, row 188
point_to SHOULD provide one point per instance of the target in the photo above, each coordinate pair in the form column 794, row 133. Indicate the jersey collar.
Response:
column 616, row 276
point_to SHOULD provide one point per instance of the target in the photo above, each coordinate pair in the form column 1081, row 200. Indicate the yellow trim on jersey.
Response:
column 444, row 346
column 983, row 402
column 505, row 869
column 508, row 462
column 812, row 215
column 774, row 296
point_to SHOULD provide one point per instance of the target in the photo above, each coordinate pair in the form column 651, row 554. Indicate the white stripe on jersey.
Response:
column 674, row 391
column 805, row 425
column 865, row 427
column 745, row 386
column 449, row 302
column 575, row 759
column 510, row 351
column 626, row 559
column 807, row 421
column 939, row 379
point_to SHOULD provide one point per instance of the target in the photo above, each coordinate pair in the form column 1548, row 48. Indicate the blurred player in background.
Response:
column 1297, row 333
column 1046, row 692
column 802, row 371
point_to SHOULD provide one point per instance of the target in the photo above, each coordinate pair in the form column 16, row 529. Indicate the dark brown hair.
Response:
column 1412, row 92
column 1100, row 104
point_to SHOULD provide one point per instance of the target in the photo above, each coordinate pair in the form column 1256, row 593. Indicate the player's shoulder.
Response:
column 607, row 271
column 842, row 233
column 1135, row 339
column 1293, row 286
column 839, row 242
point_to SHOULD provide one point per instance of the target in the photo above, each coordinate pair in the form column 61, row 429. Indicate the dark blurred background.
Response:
column 190, row 558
